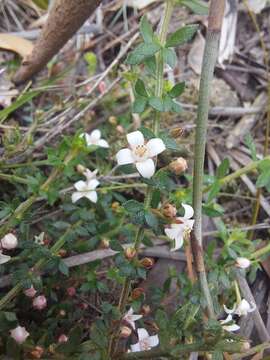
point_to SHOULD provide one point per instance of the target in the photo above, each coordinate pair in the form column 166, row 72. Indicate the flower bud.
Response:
column 178, row 166
column 112, row 120
column 80, row 168
column 37, row 352
column 177, row 132
column 242, row 262
column 62, row 252
column 62, row 338
column 137, row 293
column 130, row 253
column 147, row 263
column 125, row 332
column 115, row 205
column 62, row 312
column 120, row 129
column 105, row 243
column 30, row 292
column 169, row 211
column 19, row 334
column 145, row 310
column 40, row 302
column 9, row 241
column 71, row 291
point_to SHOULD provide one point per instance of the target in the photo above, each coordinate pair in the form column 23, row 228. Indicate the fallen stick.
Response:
column 65, row 18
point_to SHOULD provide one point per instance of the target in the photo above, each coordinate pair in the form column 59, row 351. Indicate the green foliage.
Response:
column 264, row 177
column 197, row 6
column 181, row 36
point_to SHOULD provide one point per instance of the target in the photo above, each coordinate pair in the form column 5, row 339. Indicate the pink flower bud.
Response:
column 40, row 302
column 19, row 334
column 30, row 292
column 71, row 291
column 9, row 241
column 62, row 338
column 242, row 262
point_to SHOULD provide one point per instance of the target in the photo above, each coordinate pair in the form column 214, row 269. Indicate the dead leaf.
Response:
column 15, row 43
column 258, row 356
column 7, row 91
column 195, row 54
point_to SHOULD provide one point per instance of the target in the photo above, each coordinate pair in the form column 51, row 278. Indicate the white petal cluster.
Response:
column 145, row 341
column 94, row 138
column 228, row 325
column 181, row 228
column 9, row 241
column 241, row 309
column 141, row 153
column 130, row 318
column 86, row 188
column 242, row 263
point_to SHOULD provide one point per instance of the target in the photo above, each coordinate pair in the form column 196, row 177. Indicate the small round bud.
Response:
column 169, row 211
column 178, row 166
column 37, row 352
column 9, row 241
column 62, row 339
column 30, row 292
column 242, row 262
column 105, row 243
column 112, row 120
column 145, row 310
column 125, row 332
column 19, row 334
column 115, row 205
column 130, row 253
column 120, row 129
column 80, row 168
column 62, row 313
column 71, row 291
column 62, row 252
column 40, row 302
column 147, row 263
column 137, row 293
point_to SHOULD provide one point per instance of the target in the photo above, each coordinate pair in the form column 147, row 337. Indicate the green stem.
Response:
column 216, row 12
column 257, row 254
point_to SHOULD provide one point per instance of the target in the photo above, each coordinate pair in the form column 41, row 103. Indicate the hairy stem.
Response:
column 216, row 12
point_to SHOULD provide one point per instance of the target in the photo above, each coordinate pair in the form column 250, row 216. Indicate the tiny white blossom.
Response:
column 242, row 262
column 90, row 175
column 39, row 239
column 4, row 258
column 130, row 318
column 19, row 334
column 9, row 241
column 241, row 309
column 94, row 138
column 183, row 226
column 232, row 327
column 145, row 341
column 85, row 189
column 141, row 153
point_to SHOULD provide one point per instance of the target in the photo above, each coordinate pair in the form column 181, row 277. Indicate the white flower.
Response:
column 85, row 189
column 39, row 239
column 145, row 341
column 242, row 262
column 130, row 318
column 90, row 175
column 9, row 241
column 19, row 334
column 94, row 138
column 257, row 5
column 4, row 258
column 141, row 153
column 183, row 226
column 241, row 309
column 230, row 328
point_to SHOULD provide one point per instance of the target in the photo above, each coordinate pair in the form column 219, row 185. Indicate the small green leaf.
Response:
column 151, row 220
column 197, row 6
column 176, row 107
column 181, row 36
column 147, row 133
column 177, row 90
column 213, row 210
column 169, row 57
column 215, row 188
column 141, row 52
column 156, row 103
column 133, row 206
column 263, row 179
column 150, row 64
column 140, row 88
column 223, row 169
column 251, row 145
column 63, row 268
column 139, row 105
column 146, row 30
column 167, row 103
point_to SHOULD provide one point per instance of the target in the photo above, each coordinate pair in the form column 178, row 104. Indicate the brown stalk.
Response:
column 65, row 18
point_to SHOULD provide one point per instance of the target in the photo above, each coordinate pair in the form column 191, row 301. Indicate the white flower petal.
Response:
column 189, row 212
column 77, row 195
column 103, row 143
column 189, row 224
column 155, row 147
column 229, row 311
column 136, row 317
column 225, row 321
column 80, row 185
column 178, row 242
column 231, row 328
column 146, row 168
column 95, row 135
column 4, row 258
column 142, row 334
column 88, row 139
column 172, row 233
column 135, row 138
column 90, row 174
column 92, row 196
column 153, row 340
column 92, row 184
column 135, row 347
column 252, row 308
column 124, row 157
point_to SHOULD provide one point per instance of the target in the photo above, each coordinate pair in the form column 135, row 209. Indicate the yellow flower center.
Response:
column 140, row 151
